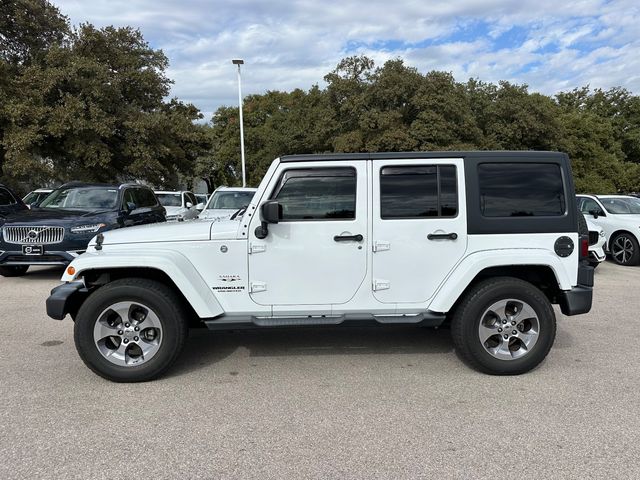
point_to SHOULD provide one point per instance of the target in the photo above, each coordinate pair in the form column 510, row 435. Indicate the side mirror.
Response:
column 188, row 204
column 131, row 207
column 200, row 206
column 596, row 213
column 271, row 212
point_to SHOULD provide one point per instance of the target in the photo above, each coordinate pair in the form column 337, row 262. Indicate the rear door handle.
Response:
column 442, row 236
column 348, row 238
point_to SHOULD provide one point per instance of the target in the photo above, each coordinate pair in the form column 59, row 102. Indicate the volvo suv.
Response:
column 59, row 229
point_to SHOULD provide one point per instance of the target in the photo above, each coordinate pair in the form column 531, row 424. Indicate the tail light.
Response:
column 584, row 246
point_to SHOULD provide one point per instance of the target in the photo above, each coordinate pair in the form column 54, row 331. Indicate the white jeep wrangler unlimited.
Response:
column 487, row 241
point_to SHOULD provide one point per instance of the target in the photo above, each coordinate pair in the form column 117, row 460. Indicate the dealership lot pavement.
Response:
column 350, row 403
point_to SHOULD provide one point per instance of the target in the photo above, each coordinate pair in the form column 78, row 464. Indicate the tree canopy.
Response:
column 365, row 108
column 88, row 103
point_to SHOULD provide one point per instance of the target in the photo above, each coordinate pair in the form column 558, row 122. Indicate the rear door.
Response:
column 419, row 226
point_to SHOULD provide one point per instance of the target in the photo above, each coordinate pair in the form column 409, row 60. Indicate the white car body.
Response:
column 298, row 271
column 225, row 201
column 180, row 205
column 612, row 223
column 597, row 240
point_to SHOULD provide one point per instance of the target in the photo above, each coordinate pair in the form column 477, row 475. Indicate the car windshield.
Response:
column 230, row 200
column 35, row 197
column 170, row 199
column 621, row 205
column 82, row 198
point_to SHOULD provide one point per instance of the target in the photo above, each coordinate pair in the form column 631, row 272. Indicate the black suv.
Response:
column 9, row 202
column 60, row 228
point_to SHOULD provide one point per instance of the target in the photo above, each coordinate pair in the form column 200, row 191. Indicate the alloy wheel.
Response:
column 128, row 333
column 509, row 329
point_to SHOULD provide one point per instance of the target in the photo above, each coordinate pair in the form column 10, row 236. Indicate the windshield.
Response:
column 82, row 198
column 621, row 205
column 230, row 200
column 35, row 197
column 170, row 199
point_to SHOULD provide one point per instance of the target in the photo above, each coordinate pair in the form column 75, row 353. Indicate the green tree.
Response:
column 91, row 107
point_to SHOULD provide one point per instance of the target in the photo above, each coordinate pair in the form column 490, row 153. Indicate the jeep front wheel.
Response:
column 130, row 330
column 504, row 326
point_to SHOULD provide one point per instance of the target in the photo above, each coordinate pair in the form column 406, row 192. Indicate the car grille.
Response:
column 35, row 235
column 593, row 238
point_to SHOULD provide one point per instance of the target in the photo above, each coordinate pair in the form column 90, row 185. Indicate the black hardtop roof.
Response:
column 514, row 155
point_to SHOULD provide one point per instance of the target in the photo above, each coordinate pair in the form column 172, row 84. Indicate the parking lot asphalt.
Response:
column 323, row 403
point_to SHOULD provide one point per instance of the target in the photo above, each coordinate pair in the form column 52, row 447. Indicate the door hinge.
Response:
column 257, row 248
column 381, row 246
column 381, row 284
column 258, row 287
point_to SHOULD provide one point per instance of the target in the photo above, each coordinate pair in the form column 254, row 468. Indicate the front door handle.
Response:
column 442, row 236
column 348, row 238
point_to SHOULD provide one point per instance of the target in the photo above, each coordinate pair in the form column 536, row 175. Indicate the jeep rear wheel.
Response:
column 503, row 326
column 624, row 249
column 13, row 271
column 130, row 330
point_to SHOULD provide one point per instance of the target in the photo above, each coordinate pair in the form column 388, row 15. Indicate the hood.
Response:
column 191, row 231
column 55, row 216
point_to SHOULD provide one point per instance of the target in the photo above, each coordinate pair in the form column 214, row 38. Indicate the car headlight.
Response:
column 88, row 228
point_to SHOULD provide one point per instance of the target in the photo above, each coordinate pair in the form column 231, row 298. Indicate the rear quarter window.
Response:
column 521, row 190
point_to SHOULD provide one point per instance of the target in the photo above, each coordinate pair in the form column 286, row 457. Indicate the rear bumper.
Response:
column 579, row 299
column 66, row 298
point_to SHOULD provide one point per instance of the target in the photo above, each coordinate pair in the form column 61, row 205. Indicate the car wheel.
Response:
column 13, row 271
column 130, row 330
column 503, row 326
column 624, row 249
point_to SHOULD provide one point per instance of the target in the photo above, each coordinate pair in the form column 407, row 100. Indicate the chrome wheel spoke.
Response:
column 102, row 330
column 487, row 332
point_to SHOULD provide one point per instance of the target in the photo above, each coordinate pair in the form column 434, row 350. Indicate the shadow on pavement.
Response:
column 204, row 347
column 45, row 273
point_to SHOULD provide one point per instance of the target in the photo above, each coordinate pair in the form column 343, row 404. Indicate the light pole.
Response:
column 239, row 62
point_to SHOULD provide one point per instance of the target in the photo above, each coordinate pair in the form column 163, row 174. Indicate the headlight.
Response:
column 88, row 228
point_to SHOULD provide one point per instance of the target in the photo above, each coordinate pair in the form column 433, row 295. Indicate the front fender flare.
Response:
column 175, row 265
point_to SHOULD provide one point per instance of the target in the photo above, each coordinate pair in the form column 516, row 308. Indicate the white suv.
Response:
column 179, row 205
column 485, row 241
column 619, row 216
column 226, row 201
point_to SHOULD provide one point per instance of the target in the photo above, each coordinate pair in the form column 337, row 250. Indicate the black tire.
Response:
column 13, row 271
column 622, row 258
column 467, row 316
column 157, row 296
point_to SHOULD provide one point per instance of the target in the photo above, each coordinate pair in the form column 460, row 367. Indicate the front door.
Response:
column 419, row 226
column 317, row 253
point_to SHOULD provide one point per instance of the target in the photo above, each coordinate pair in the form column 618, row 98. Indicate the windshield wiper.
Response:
column 239, row 212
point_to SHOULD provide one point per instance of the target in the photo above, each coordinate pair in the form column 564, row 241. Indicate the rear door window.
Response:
column 418, row 191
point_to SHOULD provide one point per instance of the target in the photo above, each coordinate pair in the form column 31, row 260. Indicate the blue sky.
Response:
column 550, row 45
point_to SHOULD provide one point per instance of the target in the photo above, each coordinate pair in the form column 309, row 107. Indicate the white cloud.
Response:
column 289, row 44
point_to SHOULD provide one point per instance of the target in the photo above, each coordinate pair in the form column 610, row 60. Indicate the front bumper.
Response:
column 53, row 257
column 66, row 298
